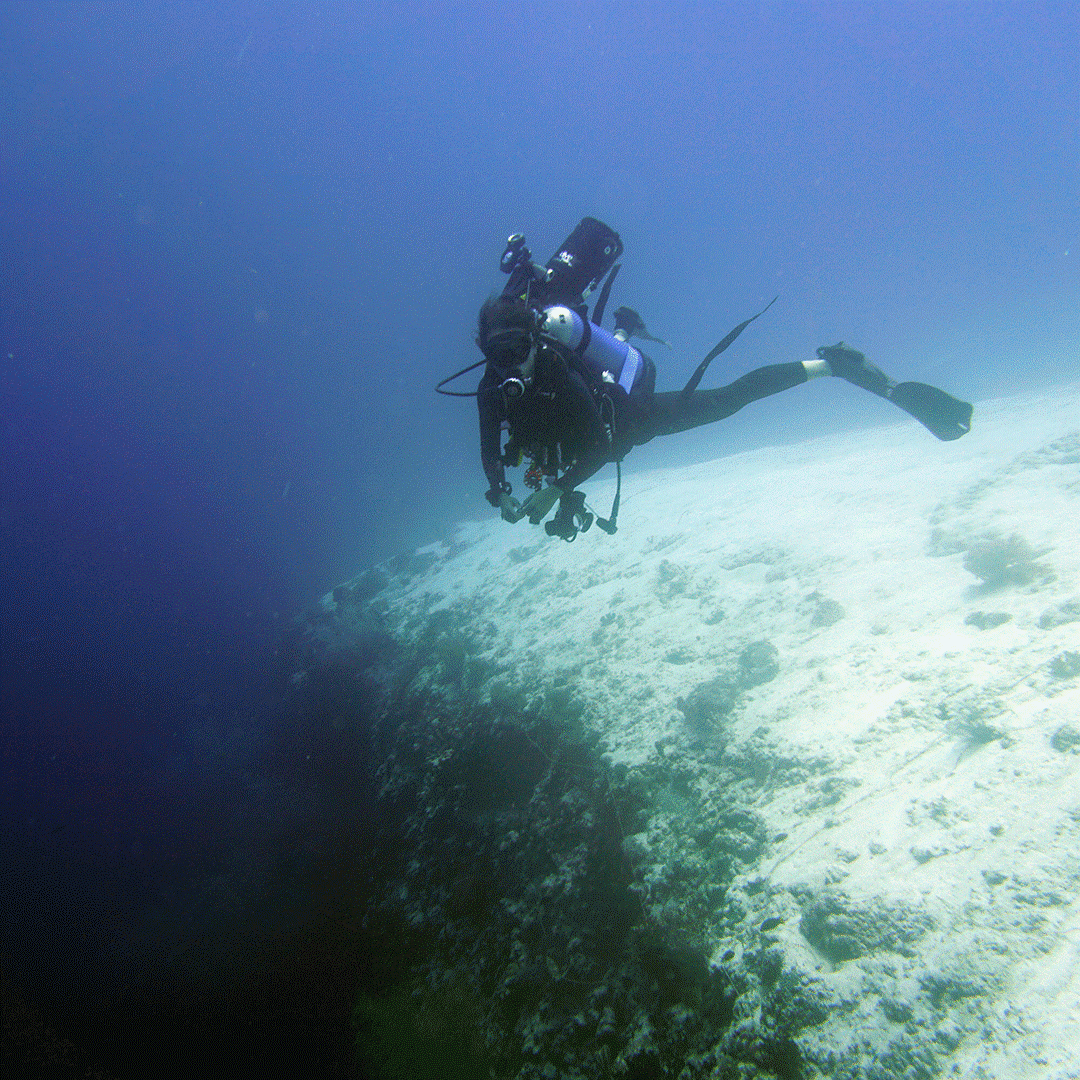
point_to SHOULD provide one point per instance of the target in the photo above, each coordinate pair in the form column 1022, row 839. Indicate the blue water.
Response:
column 240, row 244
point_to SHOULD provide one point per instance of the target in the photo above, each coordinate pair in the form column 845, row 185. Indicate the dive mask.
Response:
column 513, row 355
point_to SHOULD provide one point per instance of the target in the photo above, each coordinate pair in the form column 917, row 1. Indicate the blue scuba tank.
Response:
column 610, row 358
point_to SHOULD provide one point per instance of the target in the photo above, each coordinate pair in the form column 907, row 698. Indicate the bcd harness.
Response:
column 548, row 457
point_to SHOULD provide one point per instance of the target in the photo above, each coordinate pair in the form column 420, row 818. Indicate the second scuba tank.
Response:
column 582, row 260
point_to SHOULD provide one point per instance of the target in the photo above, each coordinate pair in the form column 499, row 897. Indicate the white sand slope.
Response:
column 919, row 744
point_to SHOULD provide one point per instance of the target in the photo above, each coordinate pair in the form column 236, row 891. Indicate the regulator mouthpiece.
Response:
column 513, row 387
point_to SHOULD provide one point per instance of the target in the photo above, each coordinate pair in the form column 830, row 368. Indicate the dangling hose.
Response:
column 457, row 375
column 609, row 526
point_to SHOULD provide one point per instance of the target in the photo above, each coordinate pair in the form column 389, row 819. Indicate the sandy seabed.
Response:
column 831, row 692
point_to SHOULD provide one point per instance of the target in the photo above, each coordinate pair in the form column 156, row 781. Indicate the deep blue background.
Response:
column 241, row 242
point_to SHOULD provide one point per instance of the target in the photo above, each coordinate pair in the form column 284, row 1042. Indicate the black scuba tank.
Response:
column 581, row 262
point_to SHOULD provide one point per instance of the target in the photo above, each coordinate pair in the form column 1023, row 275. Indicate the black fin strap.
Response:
column 605, row 292
column 692, row 385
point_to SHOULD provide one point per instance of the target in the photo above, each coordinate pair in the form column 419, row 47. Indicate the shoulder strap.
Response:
column 605, row 292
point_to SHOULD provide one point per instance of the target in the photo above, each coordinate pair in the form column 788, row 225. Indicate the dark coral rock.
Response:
column 843, row 930
column 709, row 702
column 1065, row 665
column 999, row 562
column 1065, row 738
column 1068, row 612
column 759, row 663
column 987, row 620
column 826, row 612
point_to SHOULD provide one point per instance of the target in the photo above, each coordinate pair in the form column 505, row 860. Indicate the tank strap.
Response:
column 586, row 337
column 605, row 292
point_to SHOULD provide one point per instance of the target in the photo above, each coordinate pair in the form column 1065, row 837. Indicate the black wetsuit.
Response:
column 672, row 412
column 557, row 422
column 565, row 418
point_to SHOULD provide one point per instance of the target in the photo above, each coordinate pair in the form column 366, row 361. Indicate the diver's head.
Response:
column 507, row 336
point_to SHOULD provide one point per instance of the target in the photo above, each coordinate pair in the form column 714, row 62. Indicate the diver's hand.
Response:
column 538, row 505
column 510, row 508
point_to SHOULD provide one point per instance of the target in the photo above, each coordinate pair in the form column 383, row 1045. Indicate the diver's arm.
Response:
column 582, row 417
column 538, row 505
column 585, row 417
column 488, row 402
column 582, row 469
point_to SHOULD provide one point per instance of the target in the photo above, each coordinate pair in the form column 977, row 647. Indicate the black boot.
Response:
column 850, row 364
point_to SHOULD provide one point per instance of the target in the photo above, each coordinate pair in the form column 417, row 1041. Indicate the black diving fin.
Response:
column 632, row 324
column 945, row 416
column 692, row 385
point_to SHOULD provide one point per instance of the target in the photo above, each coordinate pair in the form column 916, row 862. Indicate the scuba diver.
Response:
column 574, row 396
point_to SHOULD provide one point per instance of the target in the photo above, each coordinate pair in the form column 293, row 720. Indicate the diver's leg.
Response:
column 672, row 412
column 947, row 417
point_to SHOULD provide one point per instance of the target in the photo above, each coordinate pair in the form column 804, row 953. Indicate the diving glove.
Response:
column 510, row 508
column 571, row 517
